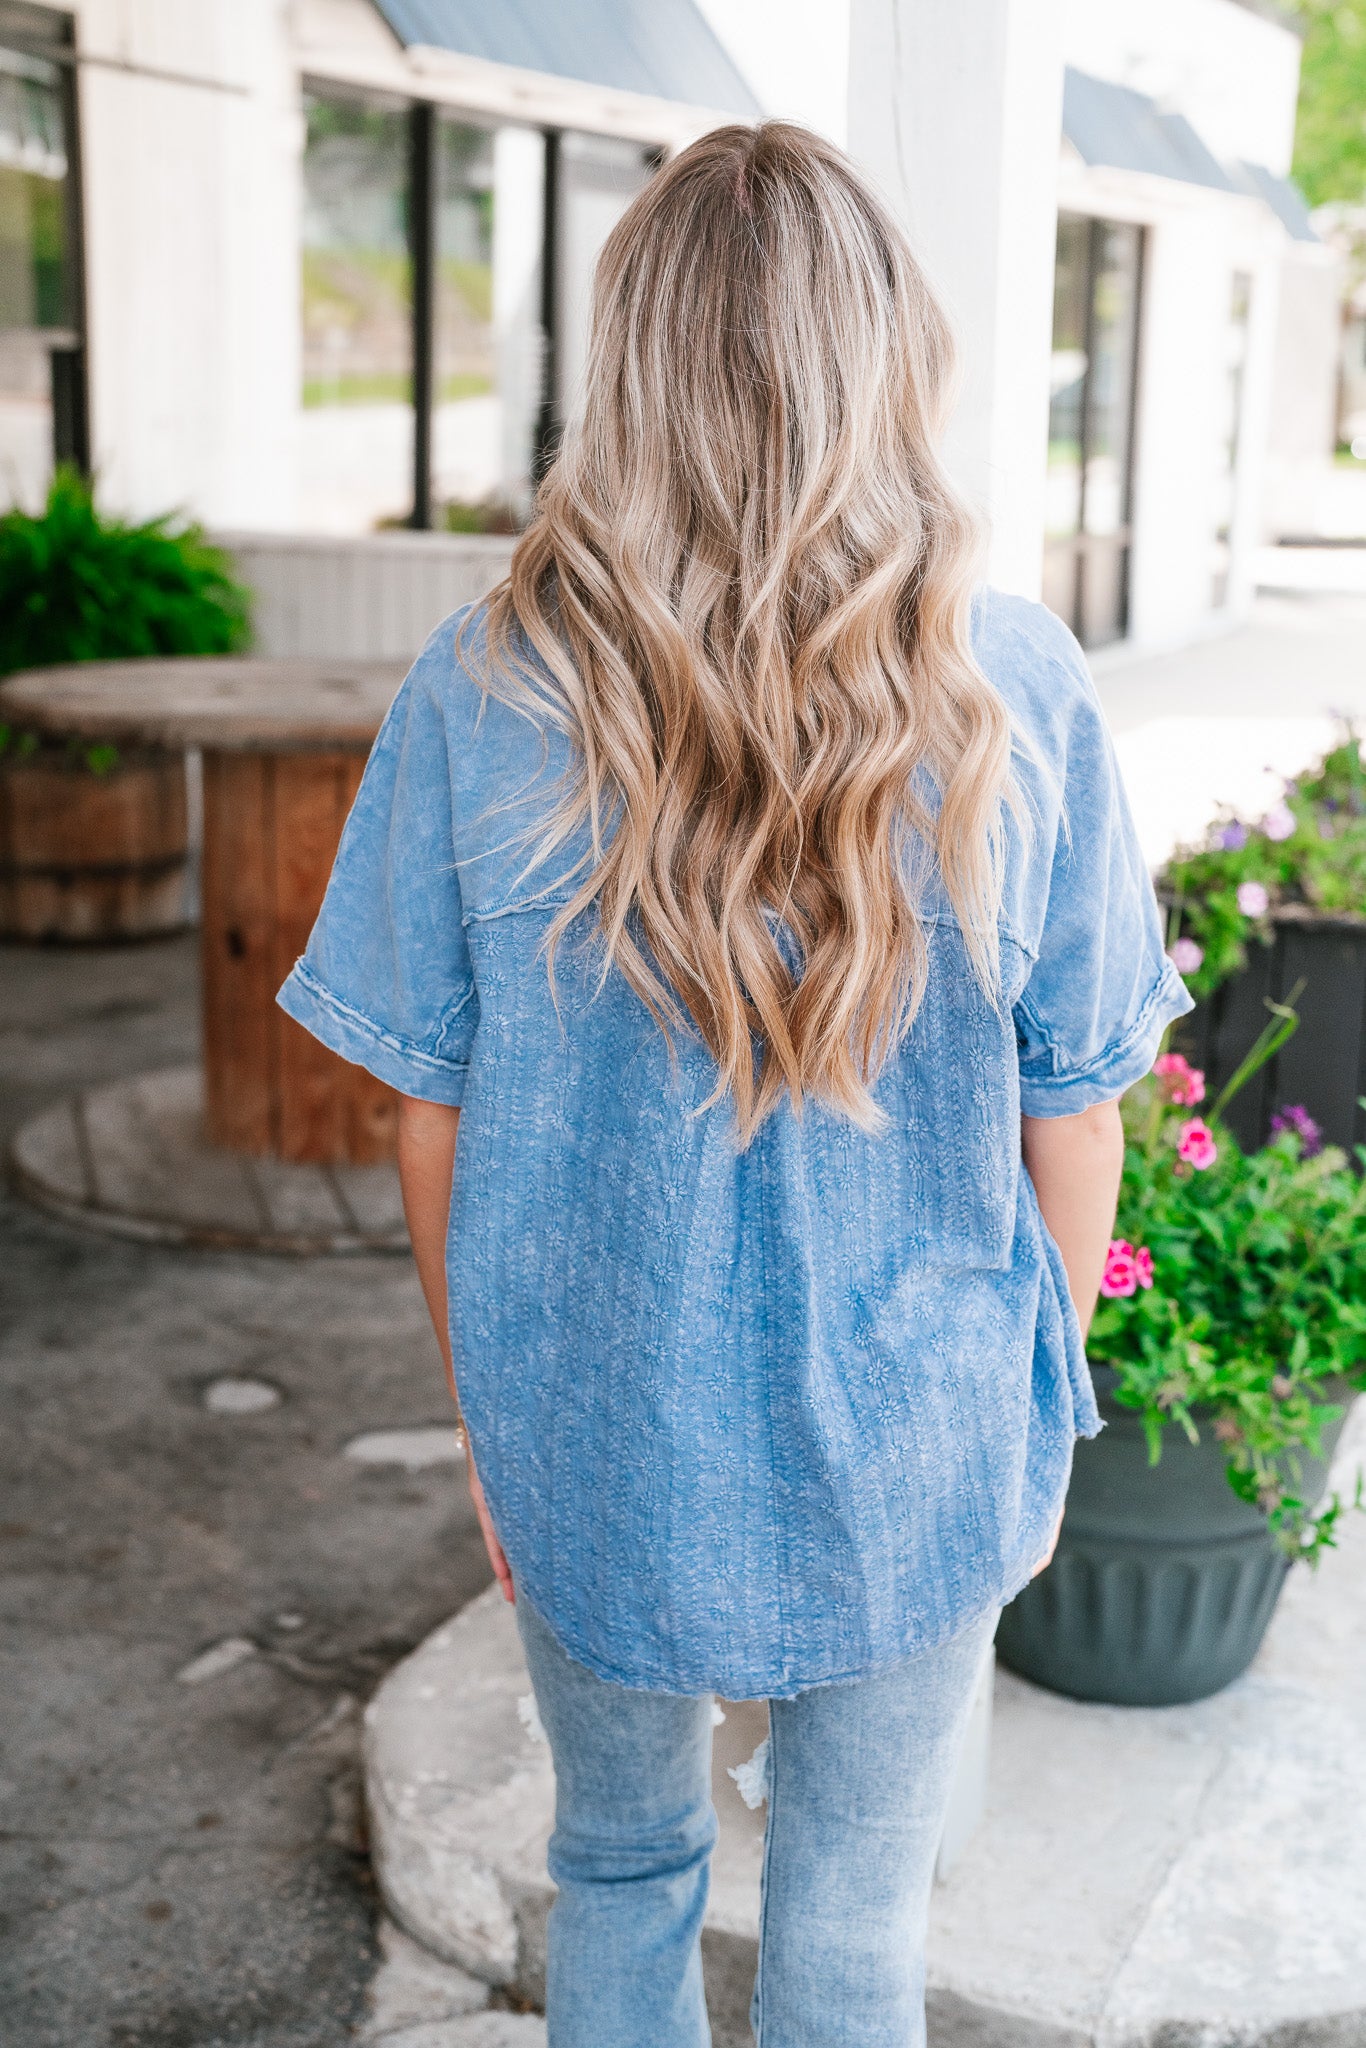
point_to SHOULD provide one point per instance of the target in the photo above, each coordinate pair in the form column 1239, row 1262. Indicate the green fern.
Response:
column 77, row 585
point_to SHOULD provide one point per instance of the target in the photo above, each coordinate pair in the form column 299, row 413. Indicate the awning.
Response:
column 661, row 48
column 1284, row 198
column 1122, row 130
column 1114, row 126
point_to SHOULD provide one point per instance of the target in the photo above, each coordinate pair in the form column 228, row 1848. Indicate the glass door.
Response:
column 356, row 424
column 489, row 367
column 1091, row 421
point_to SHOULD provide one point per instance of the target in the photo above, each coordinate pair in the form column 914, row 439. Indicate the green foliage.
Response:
column 1312, row 858
column 1254, row 1319
column 489, row 515
column 1330, row 132
column 99, row 756
column 76, row 585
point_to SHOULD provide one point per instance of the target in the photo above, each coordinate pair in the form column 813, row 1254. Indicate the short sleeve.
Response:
column 386, row 980
column 1101, row 990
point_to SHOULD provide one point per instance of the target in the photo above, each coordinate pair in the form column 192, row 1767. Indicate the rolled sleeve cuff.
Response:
column 1067, row 1091
column 359, row 1039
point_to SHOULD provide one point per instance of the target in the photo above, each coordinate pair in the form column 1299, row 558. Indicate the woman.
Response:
column 757, row 898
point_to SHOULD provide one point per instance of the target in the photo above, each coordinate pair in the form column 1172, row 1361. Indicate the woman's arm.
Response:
column 1075, row 1164
column 426, row 1165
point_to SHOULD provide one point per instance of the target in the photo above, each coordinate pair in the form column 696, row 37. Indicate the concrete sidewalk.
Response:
column 201, row 1587
column 1229, row 719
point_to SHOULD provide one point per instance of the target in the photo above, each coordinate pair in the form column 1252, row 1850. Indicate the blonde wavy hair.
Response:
column 748, row 581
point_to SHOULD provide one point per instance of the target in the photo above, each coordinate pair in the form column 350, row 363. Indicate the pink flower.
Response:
column 1186, row 956
column 1279, row 822
column 1253, row 900
column 1143, row 1266
column 1121, row 1270
column 1185, row 1083
column 1195, row 1144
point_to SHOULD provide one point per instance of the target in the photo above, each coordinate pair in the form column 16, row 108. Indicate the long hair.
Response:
column 748, row 581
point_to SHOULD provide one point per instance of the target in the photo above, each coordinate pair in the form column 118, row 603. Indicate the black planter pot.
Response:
column 1323, row 1065
column 1163, row 1582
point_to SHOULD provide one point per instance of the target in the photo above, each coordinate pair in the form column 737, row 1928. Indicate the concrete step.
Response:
column 1186, row 1877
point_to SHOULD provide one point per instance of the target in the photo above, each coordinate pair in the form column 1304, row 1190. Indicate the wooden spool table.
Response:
column 284, row 744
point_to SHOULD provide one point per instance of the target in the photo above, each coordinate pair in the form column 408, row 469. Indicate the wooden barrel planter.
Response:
column 271, row 826
column 1323, row 1066
column 91, row 857
column 284, row 746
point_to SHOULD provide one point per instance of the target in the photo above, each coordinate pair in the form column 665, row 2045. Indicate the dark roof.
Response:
column 1125, row 130
column 1284, row 198
column 662, row 48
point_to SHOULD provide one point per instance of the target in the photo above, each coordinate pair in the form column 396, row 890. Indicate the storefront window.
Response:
column 39, row 342
column 1090, row 434
column 356, row 454
column 439, row 355
column 489, row 348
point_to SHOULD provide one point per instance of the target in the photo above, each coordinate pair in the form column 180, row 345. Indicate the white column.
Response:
column 191, row 137
column 955, row 109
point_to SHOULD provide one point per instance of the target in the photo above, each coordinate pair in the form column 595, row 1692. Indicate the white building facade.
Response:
column 321, row 266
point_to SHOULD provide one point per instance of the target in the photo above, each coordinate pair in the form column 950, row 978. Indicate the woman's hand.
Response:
column 1046, row 1560
column 494, row 1548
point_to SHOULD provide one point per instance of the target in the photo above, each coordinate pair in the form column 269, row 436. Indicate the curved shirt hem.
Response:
column 755, row 1686
column 356, row 1037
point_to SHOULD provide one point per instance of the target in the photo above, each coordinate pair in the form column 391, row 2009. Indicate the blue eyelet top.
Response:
column 747, row 1421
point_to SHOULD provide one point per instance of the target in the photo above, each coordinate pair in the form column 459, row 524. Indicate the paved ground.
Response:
column 1228, row 719
column 181, row 1863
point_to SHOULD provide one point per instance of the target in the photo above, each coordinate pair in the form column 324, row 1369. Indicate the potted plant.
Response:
column 93, row 839
column 1228, row 1343
column 1260, row 906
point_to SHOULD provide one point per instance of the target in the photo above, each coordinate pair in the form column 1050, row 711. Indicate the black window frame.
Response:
column 1076, row 616
column 423, row 118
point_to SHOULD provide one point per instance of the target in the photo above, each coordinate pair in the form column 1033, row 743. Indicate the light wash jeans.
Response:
column 858, row 1780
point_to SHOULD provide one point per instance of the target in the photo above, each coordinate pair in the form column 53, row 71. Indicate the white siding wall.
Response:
column 377, row 597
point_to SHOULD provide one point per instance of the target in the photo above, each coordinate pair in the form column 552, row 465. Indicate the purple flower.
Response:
column 1233, row 838
column 1253, row 900
column 1279, row 822
column 1296, row 1118
column 1186, row 956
